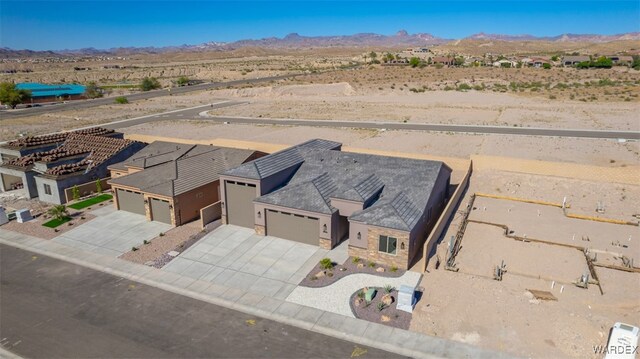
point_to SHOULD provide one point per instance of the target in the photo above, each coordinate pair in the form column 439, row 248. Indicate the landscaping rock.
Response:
column 358, row 302
column 360, row 265
column 379, row 269
column 387, row 299
column 385, row 318
column 320, row 274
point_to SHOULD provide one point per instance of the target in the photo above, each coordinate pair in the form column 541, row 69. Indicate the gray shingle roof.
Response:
column 190, row 167
column 279, row 161
column 399, row 188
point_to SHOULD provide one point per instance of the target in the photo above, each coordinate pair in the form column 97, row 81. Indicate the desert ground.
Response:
column 500, row 315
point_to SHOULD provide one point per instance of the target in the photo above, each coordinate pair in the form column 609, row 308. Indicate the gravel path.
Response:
column 335, row 297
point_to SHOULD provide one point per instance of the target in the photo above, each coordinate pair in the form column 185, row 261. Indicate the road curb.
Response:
column 433, row 347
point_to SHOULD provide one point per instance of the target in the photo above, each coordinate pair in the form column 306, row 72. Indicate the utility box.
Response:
column 3, row 217
column 406, row 298
column 23, row 215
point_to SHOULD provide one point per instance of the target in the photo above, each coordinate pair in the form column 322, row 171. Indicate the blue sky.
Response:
column 54, row 25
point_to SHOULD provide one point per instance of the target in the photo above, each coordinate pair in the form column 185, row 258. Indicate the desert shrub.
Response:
column 121, row 100
column 326, row 263
column 388, row 288
column 380, row 306
column 355, row 259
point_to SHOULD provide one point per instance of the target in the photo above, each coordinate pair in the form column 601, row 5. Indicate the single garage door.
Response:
column 239, row 204
column 131, row 201
column 293, row 227
column 160, row 211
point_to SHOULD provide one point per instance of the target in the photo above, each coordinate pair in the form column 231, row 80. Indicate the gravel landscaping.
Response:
column 178, row 239
column 319, row 277
column 36, row 229
column 381, row 309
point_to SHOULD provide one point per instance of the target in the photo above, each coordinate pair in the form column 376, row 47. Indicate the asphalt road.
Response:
column 54, row 309
column 193, row 113
column 80, row 104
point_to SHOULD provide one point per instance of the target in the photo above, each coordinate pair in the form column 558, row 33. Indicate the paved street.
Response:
column 50, row 308
column 194, row 114
column 75, row 105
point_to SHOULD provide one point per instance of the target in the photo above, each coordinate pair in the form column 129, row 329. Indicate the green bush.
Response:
column 380, row 306
column 75, row 193
column 149, row 83
column 326, row 263
column 356, row 260
column 546, row 66
column 394, row 268
column 372, row 264
column 121, row 100
column 388, row 288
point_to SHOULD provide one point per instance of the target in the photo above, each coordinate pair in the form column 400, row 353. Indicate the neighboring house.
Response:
column 45, row 93
column 316, row 194
column 539, row 62
column 171, row 182
column 443, row 60
column 621, row 60
column 505, row 63
column 568, row 61
column 44, row 166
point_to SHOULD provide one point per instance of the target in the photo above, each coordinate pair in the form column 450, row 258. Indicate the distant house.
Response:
column 569, row 61
column 47, row 93
column 621, row 60
column 505, row 63
column 539, row 62
column 44, row 166
column 443, row 60
column 172, row 182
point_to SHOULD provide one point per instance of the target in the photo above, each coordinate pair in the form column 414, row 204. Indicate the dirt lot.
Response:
column 503, row 315
column 607, row 153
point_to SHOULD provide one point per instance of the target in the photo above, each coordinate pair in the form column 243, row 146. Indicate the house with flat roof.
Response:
column 171, row 182
column 316, row 194
column 44, row 166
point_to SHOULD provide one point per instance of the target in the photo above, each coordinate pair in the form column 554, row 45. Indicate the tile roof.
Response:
column 276, row 162
column 35, row 141
column 394, row 190
column 94, row 150
column 186, row 168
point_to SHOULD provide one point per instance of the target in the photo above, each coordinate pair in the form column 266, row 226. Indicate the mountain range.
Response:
column 370, row 40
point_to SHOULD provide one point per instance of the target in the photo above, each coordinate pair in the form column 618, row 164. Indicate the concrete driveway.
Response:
column 236, row 257
column 113, row 233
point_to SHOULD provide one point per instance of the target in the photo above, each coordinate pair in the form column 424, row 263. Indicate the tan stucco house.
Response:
column 315, row 193
column 171, row 182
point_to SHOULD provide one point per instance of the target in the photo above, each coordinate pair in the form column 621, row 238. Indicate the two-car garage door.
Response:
column 133, row 202
column 293, row 227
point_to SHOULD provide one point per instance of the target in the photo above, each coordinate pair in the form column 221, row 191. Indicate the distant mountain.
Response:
column 560, row 38
column 366, row 40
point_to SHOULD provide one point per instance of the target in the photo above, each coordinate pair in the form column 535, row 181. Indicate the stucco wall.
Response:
column 346, row 208
column 86, row 189
column 57, row 192
column 354, row 229
column 210, row 213
column 31, row 189
column 188, row 205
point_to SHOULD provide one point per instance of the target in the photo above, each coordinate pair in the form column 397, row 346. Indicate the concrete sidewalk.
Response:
column 355, row 330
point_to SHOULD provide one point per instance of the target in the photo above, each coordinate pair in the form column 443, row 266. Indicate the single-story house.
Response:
column 171, row 182
column 568, row 61
column 505, row 63
column 50, row 166
column 316, row 194
column 46, row 92
column 443, row 60
column 622, row 60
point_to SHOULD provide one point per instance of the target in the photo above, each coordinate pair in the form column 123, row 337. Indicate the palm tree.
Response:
column 58, row 212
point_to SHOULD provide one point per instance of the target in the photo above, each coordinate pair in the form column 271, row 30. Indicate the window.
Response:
column 387, row 244
column 47, row 189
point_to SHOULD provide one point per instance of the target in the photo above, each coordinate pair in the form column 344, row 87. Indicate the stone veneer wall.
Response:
column 260, row 230
column 224, row 219
column 371, row 253
column 325, row 243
